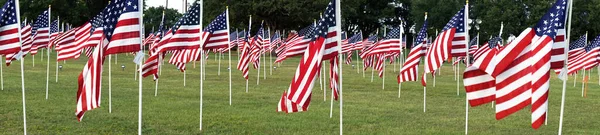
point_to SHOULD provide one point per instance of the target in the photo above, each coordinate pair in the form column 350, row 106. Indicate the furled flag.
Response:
column 297, row 44
column 41, row 32
column 410, row 68
column 300, row 89
column 520, row 70
column 122, row 27
column 9, row 30
column 576, row 50
column 389, row 44
column 215, row 34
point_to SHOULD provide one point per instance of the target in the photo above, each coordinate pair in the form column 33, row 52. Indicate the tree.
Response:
column 153, row 17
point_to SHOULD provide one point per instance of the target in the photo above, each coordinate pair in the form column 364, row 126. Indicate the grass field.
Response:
column 368, row 109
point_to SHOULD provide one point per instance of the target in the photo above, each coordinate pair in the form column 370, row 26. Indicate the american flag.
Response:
column 122, row 27
column 576, row 50
column 520, row 70
column 333, row 73
column 54, row 31
column 458, row 41
column 410, row 68
column 90, row 80
column 233, row 39
column 66, row 47
column 41, row 32
column 493, row 43
column 25, row 45
column 91, row 33
column 275, row 39
column 358, row 43
column 350, row 45
column 368, row 45
column 300, row 89
column 215, row 34
column 473, row 46
column 150, row 67
column 379, row 63
column 9, row 30
column 389, row 44
column 298, row 44
column 256, row 47
column 588, row 59
column 149, row 39
column 443, row 45
column 245, row 54
column 266, row 41
column 592, row 54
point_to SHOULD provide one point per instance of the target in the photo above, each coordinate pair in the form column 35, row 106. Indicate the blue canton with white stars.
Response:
column 594, row 44
column 307, row 32
column 458, row 22
column 372, row 38
column 422, row 36
column 40, row 22
column 8, row 14
column 474, row 41
column 261, row 32
column 275, row 36
column 113, row 11
column 356, row 38
column 54, row 27
column 393, row 34
column 192, row 17
column 97, row 22
column 580, row 43
column 494, row 42
column 326, row 21
column 233, row 36
column 553, row 20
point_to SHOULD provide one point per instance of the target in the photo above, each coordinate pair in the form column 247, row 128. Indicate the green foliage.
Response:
column 153, row 17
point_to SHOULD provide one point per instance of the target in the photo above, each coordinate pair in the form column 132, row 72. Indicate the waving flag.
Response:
column 493, row 43
column 520, row 70
column 66, row 47
column 25, row 45
column 300, row 90
column 41, row 32
column 473, row 46
column 54, row 31
column 122, row 27
column 297, row 44
column 458, row 41
column 576, row 50
column 256, row 47
column 389, row 44
column 410, row 68
column 588, row 59
column 215, row 34
column 442, row 46
column 9, row 29
column 245, row 54
column 90, row 82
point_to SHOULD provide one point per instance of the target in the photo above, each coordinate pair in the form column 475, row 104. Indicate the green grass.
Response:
column 368, row 109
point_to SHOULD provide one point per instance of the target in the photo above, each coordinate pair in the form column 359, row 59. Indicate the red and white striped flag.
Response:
column 410, row 68
column 90, row 82
column 66, row 47
column 122, row 27
column 297, row 43
column 41, row 32
column 324, row 47
column 9, row 31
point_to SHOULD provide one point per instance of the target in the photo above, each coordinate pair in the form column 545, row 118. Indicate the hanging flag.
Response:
column 441, row 48
column 9, row 30
column 215, row 34
column 54, row 31
column 458, row 41
column 473, row 46
column 245, row 54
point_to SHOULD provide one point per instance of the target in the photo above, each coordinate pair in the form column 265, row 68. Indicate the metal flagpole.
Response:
column 425, row 87
column 322, row 83
column 48, row 52
column 467, row 65
column 134, row 73
column 248, row 35
column 109, row 85
column 229, row 51
column 22, row 72
column 1, row 76
column 56, row 76
column 582, row 82
column 565, row 77
column 400, row 63
column 264, row 65
column 201, row 63
column 338, row 22
column 219, row 69
column 383, row 64
column 575, row 80
column 141, row 4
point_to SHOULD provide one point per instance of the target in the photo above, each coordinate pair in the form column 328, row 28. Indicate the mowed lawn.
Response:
column 368, row 109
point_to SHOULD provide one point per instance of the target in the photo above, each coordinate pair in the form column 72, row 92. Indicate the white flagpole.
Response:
column 467, row 61
column 400, row 63
column 56, row 76
column 358, row 69
column 22, row 72
column 331, row 105
column 1, row 76
column 323, row 83
column 425, row 87
column 264, row 65
column 109, row 85
column 33, row 59
column 258, row 72
column 184, row 77
column 562, row 103
column 116, row 59
column 383, row 64
column 48, row 53
column 219, row 69
column 229, row 51
column 598, row 75
column 338, row 22
column 582, row 82
column 248, row 35
column 141, row 21
column 575, row 80
column 201, row 63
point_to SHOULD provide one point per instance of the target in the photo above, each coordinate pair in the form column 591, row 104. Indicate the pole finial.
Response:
column 425, row 13
column 467, row 2
column 227, row 7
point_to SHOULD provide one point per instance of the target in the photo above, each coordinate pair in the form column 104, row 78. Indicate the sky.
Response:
column 176, row 4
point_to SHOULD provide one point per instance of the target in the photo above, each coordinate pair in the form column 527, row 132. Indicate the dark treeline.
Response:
column 358, row 15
